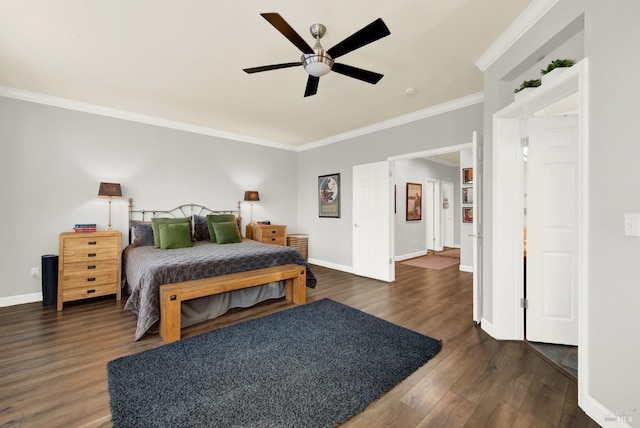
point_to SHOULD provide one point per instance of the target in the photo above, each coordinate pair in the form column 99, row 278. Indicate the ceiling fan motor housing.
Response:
column 318, row 63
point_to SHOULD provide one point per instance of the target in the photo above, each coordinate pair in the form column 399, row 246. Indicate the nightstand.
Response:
column 89, row 265
column 268, row 233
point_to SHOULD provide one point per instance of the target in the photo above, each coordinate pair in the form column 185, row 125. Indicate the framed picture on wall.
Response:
column 414, row 201
column 329, row 195
column 467, row 195
column 467, row 175
column 467, row 214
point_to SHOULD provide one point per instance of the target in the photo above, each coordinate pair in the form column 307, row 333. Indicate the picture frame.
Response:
column 414, row 202
column 467, row 214
column 467, row 195
column 329, row 195
column 467, row 175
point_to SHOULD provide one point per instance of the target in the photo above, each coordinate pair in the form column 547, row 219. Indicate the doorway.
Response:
column 433, row 224
column 448, row 208
column 507, row 278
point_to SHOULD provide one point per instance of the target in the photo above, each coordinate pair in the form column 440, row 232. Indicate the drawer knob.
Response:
column 91, row 267
column 91, row 255
column 91, row 242
column 90, row 279
column 273, row 239
column 273, row 231
column 91, row 291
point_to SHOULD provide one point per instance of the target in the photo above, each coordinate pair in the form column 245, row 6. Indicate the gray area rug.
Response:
column 315, row 365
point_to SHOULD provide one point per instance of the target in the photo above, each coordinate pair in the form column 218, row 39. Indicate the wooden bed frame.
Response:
column 172, row 295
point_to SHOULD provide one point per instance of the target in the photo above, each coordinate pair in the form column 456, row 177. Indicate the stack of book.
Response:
column 85, row 227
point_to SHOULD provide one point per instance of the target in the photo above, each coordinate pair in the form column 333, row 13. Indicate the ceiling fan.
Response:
column 317, row 61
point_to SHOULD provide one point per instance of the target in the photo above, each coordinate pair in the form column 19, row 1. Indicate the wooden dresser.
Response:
column 267, row 233
column 89, row 265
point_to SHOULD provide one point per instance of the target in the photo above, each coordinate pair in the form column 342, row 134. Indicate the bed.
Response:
column 146, row 267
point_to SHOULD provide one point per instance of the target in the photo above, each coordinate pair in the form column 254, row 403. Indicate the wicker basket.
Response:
column 300, row 242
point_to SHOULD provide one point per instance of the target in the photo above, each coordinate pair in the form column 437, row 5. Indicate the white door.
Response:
column 552, row 230
column 371, row 222
column 448, row 208
column 478, row 173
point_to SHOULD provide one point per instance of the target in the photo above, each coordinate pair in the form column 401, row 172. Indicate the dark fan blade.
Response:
column 312, row 86
column 281, row 25
column 372, row 32
column 271, row 67
column 357, row 73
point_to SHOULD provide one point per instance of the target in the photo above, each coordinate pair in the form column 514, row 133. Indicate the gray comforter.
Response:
column 146, row 268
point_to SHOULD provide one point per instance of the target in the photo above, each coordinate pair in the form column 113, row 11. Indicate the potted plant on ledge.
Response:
column 526, row 87
column 555, row 67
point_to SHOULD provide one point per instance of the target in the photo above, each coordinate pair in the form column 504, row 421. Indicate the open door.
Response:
column 372, row 222
column 552, row 230
column 477, row 152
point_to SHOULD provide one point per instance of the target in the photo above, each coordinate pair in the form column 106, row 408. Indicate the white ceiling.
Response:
column 182, row 60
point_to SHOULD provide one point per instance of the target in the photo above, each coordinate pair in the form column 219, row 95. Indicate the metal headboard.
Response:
column 186, row 210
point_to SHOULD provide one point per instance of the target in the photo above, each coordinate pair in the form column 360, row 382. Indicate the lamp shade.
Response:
column 251, row 195
column 110, row 190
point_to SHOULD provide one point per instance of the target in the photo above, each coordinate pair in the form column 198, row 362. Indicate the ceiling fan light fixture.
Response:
column 317, row 64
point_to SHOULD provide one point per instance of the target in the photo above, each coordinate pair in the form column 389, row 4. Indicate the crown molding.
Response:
column 456, row 104
column 527, row 19
column 65, row 103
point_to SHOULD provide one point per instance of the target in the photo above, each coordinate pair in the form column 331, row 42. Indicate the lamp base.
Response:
column 108, row 228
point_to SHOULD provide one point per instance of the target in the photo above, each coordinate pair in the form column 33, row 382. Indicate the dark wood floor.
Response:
column 53, row 364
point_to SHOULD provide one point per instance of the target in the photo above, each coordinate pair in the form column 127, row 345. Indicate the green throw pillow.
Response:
column 218, row 218
column 155, row 222
column 227, row 232
column 175, row 235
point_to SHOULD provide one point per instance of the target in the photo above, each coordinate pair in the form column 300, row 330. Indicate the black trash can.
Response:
column 49, row 279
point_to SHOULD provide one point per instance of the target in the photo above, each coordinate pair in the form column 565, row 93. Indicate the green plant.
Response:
column 557, row 63
column 528, row 84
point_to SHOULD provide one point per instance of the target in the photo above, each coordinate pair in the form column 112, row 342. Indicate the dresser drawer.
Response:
column 89, row 291
column 91, row 242
column 89, row 280
column 276, row 240
column 89, row 267
column 271, row 230
column 89, row 254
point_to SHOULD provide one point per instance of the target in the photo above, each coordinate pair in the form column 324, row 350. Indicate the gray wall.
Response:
column 52, row 161
column 330, row 239
column 610, row 31
column 410, row 236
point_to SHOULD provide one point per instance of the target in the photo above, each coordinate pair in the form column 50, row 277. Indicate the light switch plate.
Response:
column 632, row 224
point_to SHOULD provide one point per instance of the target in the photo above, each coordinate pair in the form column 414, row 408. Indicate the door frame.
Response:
column 508, row 205
column 418, row 155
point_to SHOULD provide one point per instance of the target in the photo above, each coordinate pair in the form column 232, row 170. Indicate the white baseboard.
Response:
column 487, row 327
column 21, row 299
column 605, row 417
column 466, row 268
column 410, row 256
column 330, row 265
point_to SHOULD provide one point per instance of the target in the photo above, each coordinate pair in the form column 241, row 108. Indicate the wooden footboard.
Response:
column 172, row 295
